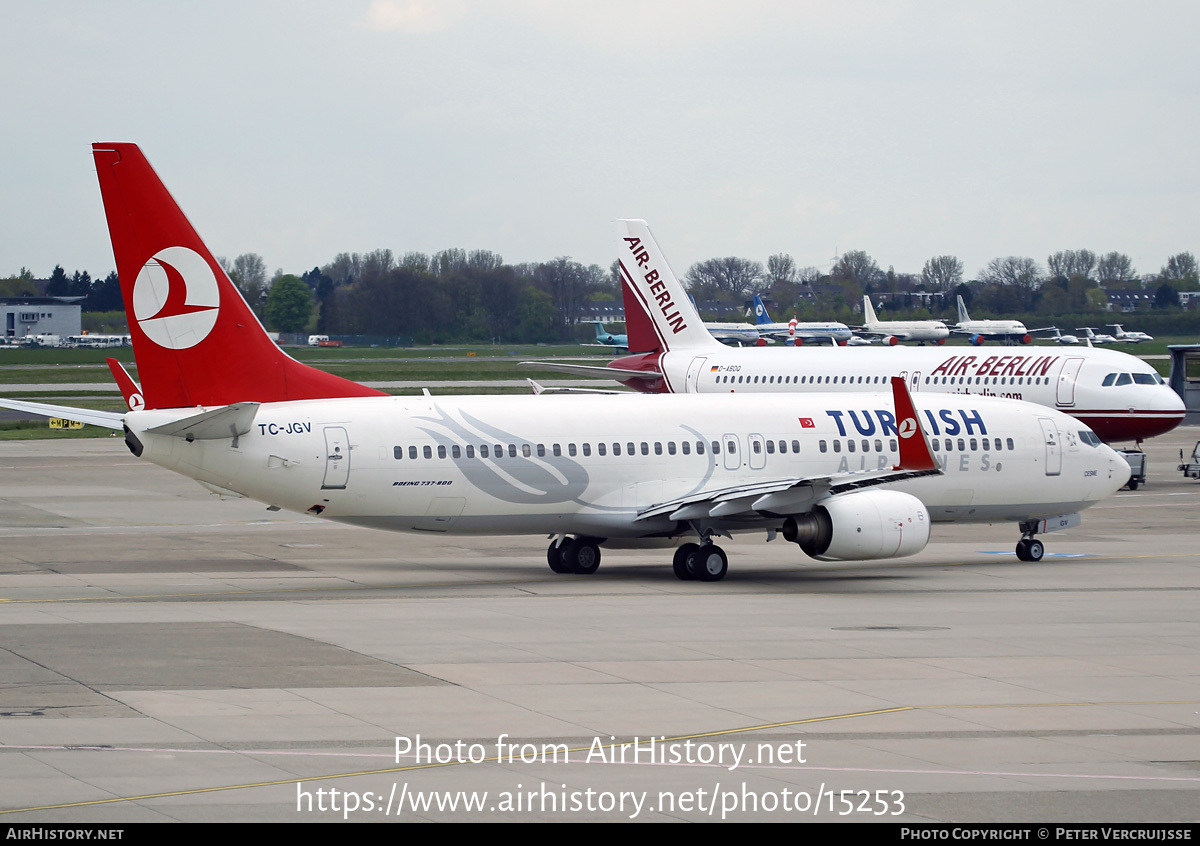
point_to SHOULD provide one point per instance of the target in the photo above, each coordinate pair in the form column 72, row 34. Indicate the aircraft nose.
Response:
column 1119, row 471
column 1167, row 400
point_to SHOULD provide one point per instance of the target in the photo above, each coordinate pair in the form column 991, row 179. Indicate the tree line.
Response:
column 473, row 296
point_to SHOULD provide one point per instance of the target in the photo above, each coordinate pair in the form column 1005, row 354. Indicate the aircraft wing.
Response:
column 797, row 495
column 598, row 371
column 777, row 496
column 107, row 419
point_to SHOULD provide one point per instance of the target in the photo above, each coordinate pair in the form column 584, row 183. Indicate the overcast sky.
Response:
column 298, row 130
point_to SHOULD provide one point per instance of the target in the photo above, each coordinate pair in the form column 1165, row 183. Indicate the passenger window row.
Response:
column 866, row 443
column 498, row 451
column 987, row 380
column 800, row 380
column 973, row 444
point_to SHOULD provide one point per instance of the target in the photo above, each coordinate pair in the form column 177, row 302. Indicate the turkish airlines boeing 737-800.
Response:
column 846, row 476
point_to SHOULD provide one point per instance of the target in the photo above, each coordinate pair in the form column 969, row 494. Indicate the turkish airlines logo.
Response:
column 907, row 427
column 135, row 402
column 175, row 298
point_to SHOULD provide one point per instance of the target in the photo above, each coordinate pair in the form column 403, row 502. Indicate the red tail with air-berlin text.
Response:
column 196, row 341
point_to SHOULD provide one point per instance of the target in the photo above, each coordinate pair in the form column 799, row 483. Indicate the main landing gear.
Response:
column 574, row 555
column 705, row 562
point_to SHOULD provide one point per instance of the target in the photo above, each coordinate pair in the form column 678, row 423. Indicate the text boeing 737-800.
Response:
column 844, row 476
column 672, row 356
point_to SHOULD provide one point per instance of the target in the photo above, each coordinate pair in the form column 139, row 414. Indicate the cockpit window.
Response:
column 1133, row 379
column 1089, row 437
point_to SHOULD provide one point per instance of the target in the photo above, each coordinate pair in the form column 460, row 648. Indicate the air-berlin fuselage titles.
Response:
column 1118, row 395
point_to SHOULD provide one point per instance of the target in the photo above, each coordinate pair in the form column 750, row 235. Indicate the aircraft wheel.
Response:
column 583, row 557
column 554, row 557
column 680, row 562
column 1133, row 484
column 710, row 563
column 1034, row 549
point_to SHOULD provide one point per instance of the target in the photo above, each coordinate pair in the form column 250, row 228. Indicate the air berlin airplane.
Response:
column 846, row 476
column 1121, row 397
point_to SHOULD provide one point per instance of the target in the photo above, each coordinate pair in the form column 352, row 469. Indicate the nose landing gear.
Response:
column 1030, row 549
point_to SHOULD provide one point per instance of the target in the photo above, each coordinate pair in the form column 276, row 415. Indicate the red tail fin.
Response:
column 915, row 453
column 195, row 339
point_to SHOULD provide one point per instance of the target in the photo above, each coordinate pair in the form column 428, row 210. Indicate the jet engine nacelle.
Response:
column 858, row 526
column 1026, row 339
column 977, row 340
column 761, row 342
column 891, row 340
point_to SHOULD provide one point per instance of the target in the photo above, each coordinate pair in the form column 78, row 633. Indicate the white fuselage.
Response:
column 742, row 334
column 1073, row 382
column 559, row 464
column 909, row 330
column 808, row 331
column 992, row 328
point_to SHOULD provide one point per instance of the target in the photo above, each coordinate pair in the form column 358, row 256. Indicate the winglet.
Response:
column 129, row 388
column 915, row 453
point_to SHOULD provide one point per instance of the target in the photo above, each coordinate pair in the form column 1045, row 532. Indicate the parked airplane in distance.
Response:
column 604, row 338
column 1059, row 338
column 893, row 332
column 795, row 332
column 680, row 358
column 732, row 334
column 1124, row 337
column 844, row 476
column 978, row 331
column 1091, row 335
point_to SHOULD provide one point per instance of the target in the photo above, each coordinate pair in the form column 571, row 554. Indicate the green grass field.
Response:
column 361, row 364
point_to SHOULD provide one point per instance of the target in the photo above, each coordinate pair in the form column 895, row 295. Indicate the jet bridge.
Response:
column 1185, row 378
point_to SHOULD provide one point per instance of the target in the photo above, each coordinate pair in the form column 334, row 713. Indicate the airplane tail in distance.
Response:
column 658, row 314
column 963, row 317
column 868, row 311
column 196, row 341
column 760, row 311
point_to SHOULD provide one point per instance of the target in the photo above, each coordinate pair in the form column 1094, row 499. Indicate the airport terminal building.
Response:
column 25, row 317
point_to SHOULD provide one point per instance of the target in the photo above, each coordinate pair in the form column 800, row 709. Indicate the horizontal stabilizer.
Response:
column 229, row 421
column 598, row 371
column 107, row 419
